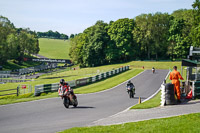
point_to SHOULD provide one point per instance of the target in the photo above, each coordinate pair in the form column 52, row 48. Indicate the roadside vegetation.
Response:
column 152, row 103
column 183, row 123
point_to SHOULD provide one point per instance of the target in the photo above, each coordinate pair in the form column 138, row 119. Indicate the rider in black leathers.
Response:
column 130, row 84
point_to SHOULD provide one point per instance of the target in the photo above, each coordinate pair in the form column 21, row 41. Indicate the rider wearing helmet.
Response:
column 130, row 84
column 64, row 87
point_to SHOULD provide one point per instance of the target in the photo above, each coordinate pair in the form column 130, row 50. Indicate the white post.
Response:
column 162, row 95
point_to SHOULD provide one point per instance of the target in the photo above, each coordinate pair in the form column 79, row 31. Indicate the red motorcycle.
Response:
column 68, row 96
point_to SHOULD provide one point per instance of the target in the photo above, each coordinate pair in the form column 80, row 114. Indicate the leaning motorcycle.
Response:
column 69, row 98
column 131, row 91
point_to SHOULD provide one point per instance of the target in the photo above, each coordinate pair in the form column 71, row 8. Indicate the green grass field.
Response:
column 54, row 48
column 178, row 124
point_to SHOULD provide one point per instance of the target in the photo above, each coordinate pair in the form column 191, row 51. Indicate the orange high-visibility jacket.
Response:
column 175, row 76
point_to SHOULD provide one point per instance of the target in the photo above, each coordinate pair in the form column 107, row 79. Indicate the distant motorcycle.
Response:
column 69, row 98
column 131, row 91
column 153, row 70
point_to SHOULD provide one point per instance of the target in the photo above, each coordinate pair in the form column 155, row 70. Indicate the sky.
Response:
column 74, row 16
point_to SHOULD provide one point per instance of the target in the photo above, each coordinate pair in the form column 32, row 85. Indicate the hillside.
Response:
column 54, row 48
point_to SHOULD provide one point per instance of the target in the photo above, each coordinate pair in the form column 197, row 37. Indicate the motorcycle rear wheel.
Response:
column 75, row 102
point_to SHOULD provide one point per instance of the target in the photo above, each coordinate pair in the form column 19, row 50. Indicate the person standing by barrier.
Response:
column 175, row 76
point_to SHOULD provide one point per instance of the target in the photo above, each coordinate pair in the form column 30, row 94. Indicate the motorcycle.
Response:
column 131, row 91
column 69, row 98
column 153, row 70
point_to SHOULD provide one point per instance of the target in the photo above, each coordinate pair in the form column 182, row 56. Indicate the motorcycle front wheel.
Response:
column 131, row 94
column 66, row 102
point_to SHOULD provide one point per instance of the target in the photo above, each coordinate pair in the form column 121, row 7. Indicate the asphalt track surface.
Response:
column 49, row 115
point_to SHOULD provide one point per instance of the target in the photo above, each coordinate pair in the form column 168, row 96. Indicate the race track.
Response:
column 49, row 115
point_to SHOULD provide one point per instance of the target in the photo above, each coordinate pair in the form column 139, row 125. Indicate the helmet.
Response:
column 129, row 82
column 62, row 81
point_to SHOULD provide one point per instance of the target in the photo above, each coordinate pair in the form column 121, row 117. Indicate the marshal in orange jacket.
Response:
column 175, row 76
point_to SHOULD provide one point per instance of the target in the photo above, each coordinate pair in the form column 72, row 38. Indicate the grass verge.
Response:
column 153, row 102
column 181, row 124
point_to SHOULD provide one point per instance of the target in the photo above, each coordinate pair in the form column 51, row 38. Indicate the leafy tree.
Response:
column 16, row 42
column 195, row 33
column 159, row 26
column 142, row 35
column 176, row 39
column 186, row 16
column 151, row 34
column 71, row 36
column 76, row 50
column 88, row 48
column 51, row 34
column 120, row 32
column 6, row 28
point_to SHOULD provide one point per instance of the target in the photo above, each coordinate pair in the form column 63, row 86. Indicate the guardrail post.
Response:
column 17, row 90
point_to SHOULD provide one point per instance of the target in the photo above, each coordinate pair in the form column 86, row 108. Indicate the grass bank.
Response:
column 181, row 124
column 54, row 48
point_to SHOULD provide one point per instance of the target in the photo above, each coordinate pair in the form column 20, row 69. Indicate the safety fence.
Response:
column 13, row 80
column 45, row 88
column 20, row 90
column 8, row 92
column 23, row 71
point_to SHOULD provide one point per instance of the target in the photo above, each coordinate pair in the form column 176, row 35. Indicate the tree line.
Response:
column 51, row 34
column 148, row 36
column 54, row 35
column 16, row 43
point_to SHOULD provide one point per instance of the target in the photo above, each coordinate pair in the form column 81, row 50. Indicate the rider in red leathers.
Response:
column 64, row 88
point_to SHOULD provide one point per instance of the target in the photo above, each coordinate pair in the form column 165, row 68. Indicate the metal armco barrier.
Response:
column 45, row 88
